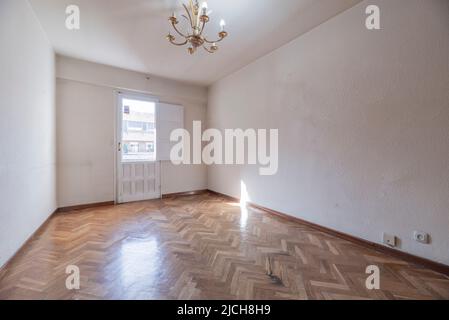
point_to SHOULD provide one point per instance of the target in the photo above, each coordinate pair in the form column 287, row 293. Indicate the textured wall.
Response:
column 27, row 126
column 364, row 125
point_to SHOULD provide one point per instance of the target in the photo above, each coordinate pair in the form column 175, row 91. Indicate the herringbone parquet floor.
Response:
column 203, row 247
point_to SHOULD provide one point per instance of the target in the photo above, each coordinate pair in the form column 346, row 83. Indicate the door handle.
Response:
column 119, row 147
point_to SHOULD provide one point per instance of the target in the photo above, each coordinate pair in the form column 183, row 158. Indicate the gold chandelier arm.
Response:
column 187, row 18
column 189, row 15
column 212, row 42
column 176, row 29
column 222, row 35
column 202, row 27
column 177, row 44
column 210, row 51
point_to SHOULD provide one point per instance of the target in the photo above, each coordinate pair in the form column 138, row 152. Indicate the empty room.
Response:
column 257, row 150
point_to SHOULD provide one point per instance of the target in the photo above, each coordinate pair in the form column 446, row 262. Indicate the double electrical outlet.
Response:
column 418, row 236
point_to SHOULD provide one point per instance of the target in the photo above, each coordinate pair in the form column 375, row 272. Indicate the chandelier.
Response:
column 197, row 19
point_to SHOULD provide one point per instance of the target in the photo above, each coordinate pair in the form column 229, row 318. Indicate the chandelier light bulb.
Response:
column 222, row 24
column 204, row 6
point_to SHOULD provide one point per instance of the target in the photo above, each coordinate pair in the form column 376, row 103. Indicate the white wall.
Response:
column 27, row 126
column 85, row 129
column 364, row 125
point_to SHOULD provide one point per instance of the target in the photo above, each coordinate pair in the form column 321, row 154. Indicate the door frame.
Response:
column 118, row 95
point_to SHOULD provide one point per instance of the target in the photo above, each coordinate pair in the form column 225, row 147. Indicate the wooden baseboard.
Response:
column 231, row 198
column 435, row 266
column 86, row 206
column 4, row 268
column 184, row 194
column 111, row 203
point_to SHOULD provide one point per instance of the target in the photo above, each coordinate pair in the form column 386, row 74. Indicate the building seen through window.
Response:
column 138, row 131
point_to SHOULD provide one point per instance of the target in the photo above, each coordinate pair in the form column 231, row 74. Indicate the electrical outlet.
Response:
column 421, row 237
column 389, row 240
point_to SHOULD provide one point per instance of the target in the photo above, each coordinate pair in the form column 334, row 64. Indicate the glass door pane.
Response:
column 138, row 130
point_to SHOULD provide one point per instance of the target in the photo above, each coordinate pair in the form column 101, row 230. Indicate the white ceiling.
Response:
column 130, row 34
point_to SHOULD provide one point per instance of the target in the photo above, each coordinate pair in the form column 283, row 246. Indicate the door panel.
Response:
column 139, row 181
column 169, row 117
column 138, row 172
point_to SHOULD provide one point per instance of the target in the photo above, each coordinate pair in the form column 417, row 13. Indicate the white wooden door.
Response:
column 139, row 181
column 138, row 170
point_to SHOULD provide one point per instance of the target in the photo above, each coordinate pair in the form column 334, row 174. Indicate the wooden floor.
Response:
column 203, row 247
